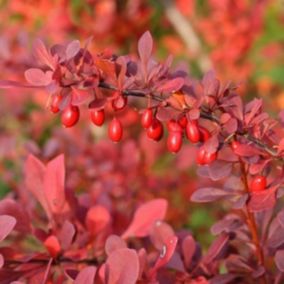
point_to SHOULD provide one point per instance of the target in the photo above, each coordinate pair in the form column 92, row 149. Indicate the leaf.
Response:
column 229, row 224
column 7, row 224
column 54, row 184
column 208, row 194
column 160, row 233
column 279, row 260
column 42, row 55
column 37, row 77
column 210, row 83
column 145, row 217
column 188, row 250
column 72, row 49
column 145, row 46
column 8, row 84
column 122, row 267
column 217, row 248
column 107, row 67
column 97, row 219
column 16, row 210
column 171, row 86
column 165, row 255
column 67, row 234
column 86, row 275
column 80, row 96
column 219, row 170
column 34, row 179
column 262, row 200
column 246, row 150
column 114, row 243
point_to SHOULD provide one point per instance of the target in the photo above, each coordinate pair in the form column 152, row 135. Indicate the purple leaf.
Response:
column 145, row 218
column 262, row 200
column 37, row 77
column 211, row 145
column 229, row 224
column 7, row 224
column 211, row 84
column 246, row 150
column 122, row 267
column 171, row 86
column 42, row 55
column 217, row 248
column 219, row 169
column 16, row 210
column 279, row 260
column 54, row 180
column 145, row 46
column 72, row 49
column 86, row 275
column 208, row 194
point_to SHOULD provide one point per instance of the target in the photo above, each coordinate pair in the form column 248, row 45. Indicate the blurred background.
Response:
column 242, row 40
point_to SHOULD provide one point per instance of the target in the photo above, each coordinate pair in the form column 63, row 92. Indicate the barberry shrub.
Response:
column 85, row 238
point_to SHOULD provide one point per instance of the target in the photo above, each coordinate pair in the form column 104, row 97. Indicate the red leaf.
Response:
column 54, row 180
column 279, row 260
column 160, row 233
column 262, row 200
column 80, row 96
column 145, row 46
column 188, row 250
column 16, row 210
column 107, row 67
column 7, row 84
column 97, row 219
column 114, row 243
column 72, row 49
column 42, row 55
column 1, row 260
column 86, row 275
column 246, row 150
column 145, row 217
column 66, row 234
column 122, row 267
column 7, row 224
column 34, row 179
column 37, row 77
column 171, row 86
column 165, row 255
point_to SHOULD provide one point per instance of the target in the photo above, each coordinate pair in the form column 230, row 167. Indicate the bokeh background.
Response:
column 242, row 40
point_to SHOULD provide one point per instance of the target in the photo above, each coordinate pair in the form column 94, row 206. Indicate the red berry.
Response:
column 192, row 131
column 183, row 121
column 204, row 158
column 147, row 118
column 204, row 134
column 156, row 130
column 54, row 106
column 174, row 126
column 115, row 130
column 174, row 141
column 119, row 102
column 258, row 183
column 70, row 116
column 97, row 116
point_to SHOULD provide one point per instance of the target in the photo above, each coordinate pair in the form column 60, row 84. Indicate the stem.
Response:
column 205, row 114
column 250, row 220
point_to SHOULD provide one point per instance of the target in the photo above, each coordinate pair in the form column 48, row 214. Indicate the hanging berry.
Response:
column 204, row 158
column 174, row 141
column 70, row 116
column 115, row 130
column 192, row 131
column 55, row 103
column 147, row 118
column 156, row 130
column 97, row 116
